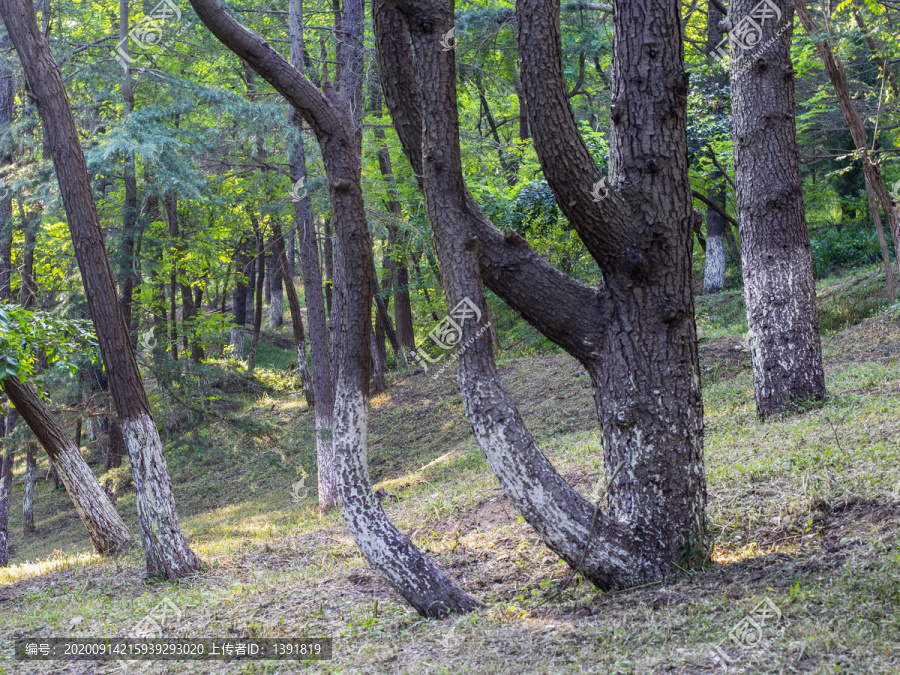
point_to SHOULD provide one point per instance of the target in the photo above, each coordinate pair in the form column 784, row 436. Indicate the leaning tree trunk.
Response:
column 104, row 525
column 6, row 467
column 28, row 499
column 405, row 567
column 635, row 334
column 167, row 552
column 776, row 258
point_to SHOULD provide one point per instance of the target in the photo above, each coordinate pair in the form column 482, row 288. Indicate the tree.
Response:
column 167, row 552
column 635, row 334
column 404, row 566
column 776, row 259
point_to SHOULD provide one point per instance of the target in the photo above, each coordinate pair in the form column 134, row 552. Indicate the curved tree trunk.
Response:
column 776, row 258
column 104, row 525
column 635, row 335
column 167, row 552
column 405, row 567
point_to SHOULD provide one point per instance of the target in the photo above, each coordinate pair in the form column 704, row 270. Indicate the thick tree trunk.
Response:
column 646, row 345
column 405, row 567
column 105, row 528
column 28, row 499
column 776, row 258
column 260, row 276
column 167, row 552
column 6, row 467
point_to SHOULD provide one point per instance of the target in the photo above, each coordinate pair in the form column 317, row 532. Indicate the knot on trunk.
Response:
column 635, row 263
column 341, row 185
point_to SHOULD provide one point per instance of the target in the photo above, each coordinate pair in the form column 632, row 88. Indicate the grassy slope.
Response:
column 803, row 510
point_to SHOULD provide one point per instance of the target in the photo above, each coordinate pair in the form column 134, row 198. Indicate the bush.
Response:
column 850, row 247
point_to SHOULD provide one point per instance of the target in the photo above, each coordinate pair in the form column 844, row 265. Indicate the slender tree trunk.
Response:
column 714, row 273
column 105, row 528
column 275, row 274
column 167, row 552
column 328, row 258
column 883, row 245
column 7, row 108
column 260, row 275
column 28, row 500
column 239, row 300
column 405, row 567
column 838, row 76
column 29, row 284
column 130, row 212
column 6, row 468
column 280, row 257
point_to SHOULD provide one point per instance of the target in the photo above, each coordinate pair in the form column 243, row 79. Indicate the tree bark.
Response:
column 642, row 314
column 104, row 525
column 29, row 285
column 776, row 258
column 405, row 567
column 167, row 552
column 28, row 499
column 714, row 272
column 276, row 275
column 311, row 273
column 6, row 468
column 7, row 108
column 130, row 212
column 260, row 276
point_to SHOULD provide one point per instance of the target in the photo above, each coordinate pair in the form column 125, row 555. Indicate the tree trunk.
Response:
column 239, row 300
column 328, row 261
column 130, row 211
column 405, row 567
column 7, row 108
column 276, row 303
column 28, row 499
column 258, row 310
column 167, row 552
column 280, row 256
column 883, row 245
column 29, row 285
column 6, row 468
column 776, row 258
column 641, row 341
column 104, row 525
column 714, row 273
column 115, row 444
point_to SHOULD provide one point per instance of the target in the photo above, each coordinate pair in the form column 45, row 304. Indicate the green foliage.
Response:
column 848, row 247
column 26, row 337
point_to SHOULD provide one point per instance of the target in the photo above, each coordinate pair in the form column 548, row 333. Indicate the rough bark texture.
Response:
column 7, row 107
column 776, row 259
column 105, row 528
column 167, row 552
column 28, row 499
column 714, row 271
column 239, row 299
column 258, row 309
column 635, row 334
column 276, row 301
column 405, row 567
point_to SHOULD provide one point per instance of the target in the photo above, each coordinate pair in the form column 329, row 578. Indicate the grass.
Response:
column 803, row 510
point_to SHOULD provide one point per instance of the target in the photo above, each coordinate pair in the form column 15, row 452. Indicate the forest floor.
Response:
column 804, row 513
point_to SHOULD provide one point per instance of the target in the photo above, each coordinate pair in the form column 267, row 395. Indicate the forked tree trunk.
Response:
column 167, row 552
column 104, row 525
column 404, row 566
column 28, row 499
column 635, row 335
column 776, row 259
